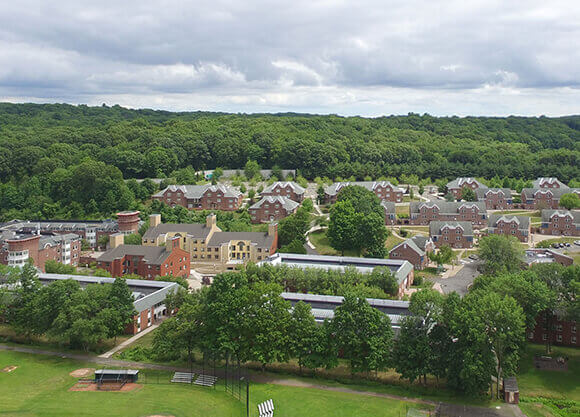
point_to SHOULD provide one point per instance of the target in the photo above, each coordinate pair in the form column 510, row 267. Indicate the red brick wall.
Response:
column 497, row 201
column 388, row 194
column 453, row 234
column 503, row 228
column 561, row 226
column 259, row 215
column 562, row 332
column 408, row 254
column 285, row 192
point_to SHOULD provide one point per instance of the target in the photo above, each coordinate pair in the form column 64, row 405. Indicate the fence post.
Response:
column 247, row 397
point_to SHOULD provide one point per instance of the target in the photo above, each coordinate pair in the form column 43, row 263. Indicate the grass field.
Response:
column 39, row 387
column 550, row 384
column 322, row 244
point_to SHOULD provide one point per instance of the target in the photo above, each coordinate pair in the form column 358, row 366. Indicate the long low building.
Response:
column 149, row 296
column 401, row 269
column 323, row 306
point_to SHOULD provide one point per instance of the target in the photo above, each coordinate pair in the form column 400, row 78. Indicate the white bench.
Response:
column 266, row 409
column 182, row 377
column 206, row 380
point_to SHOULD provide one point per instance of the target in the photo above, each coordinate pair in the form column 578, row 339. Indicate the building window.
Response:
column 573, row 339
column 530, row 335
column 544, row 336
column 559, row 338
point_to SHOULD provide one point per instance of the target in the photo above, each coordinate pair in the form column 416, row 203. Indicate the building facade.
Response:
column 545, row 198
column 556, row 330
column 210, row 249
column 457, row 235
column 271, row 208
column 423, row 213
column 415, row 250
column 560, row 223
column 507, row 225
column 456, row 186
column 17, row 249
column 390, row 213
column 201, row 197
column 548, row 182
column 89, row 230
column 146, row 261
column 384, row 190
column 288, row 189
column 495, row 198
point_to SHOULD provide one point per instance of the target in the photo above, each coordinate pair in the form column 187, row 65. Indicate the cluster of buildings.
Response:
column 384, row 190
column 278, row 200
column 58, row 240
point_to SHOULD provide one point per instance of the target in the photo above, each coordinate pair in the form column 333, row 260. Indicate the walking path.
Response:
column 129, row 341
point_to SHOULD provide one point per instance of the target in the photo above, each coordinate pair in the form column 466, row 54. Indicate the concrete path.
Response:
column 129, row 341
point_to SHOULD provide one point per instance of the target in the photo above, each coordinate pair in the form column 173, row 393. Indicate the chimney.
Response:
column 211, row 221
column 272, row 229
column 116, row 240
column 172, row 244
column 154, row 220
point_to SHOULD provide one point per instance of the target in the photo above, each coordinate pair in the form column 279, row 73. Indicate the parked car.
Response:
column 577, row 242
column 567, row 244
column 555, row 245
column 561, row 245
column 473, row 256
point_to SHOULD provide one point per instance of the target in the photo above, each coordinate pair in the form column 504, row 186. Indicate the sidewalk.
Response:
column 129, row 341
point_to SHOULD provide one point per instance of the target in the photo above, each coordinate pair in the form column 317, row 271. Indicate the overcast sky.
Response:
column 489, row 57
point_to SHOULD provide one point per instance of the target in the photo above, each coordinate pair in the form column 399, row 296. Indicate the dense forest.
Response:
column 63, row 154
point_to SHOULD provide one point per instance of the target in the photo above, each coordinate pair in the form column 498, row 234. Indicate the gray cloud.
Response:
column 366, row 57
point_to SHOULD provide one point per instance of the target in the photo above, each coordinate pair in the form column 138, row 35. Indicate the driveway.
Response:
column 461, row 281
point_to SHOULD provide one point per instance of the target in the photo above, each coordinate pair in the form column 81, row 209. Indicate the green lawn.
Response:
column 39, row 387
column 322, row 244
column 551, row 384
column 392, row 241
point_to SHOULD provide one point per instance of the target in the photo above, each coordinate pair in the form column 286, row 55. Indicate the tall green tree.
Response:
column 570, row 201
column 500, row 254
column 363, row 334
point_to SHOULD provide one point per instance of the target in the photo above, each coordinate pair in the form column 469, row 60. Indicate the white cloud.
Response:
column 369, row 57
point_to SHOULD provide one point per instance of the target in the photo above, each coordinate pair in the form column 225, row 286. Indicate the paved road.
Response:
column 461, row 280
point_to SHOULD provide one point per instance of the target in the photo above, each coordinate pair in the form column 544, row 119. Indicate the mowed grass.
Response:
column 322, row 244
column 534, row 382
column 39, row 388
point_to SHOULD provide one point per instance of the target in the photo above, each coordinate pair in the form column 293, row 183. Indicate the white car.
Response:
column 577, row 242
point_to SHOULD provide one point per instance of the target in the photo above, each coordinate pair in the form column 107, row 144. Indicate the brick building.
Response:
column 495, row 198
column 390, row 212
column 149, row 297
column 548, row 182
column 89, row 230
column 384, row 190
column 146, row 261
column 288, row 189
column 456, row 186
column 271, row 208
column 458, row 235
column 545, row 198
column 560, row 223
column 517, row 226
column 563, row 332
column 415, row 250
column 423, row 213
column 201, row 197
column 544, row 256
column 16, row 249
column 210, row 249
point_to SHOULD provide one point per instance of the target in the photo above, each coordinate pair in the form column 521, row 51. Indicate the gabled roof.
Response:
column 416, row 243
column 523, row 222
column 547, row 181
column 369, row 185
column 197, row 191
column 389, row 206
column 483, row 192
column 531, row 193
column 436, row 227
column 195, row 230
column 461, row 181
column 286, row 203
column 446, row 207
column 547, row 215
column 154, row 255
column 261, row 240
column 283, row 184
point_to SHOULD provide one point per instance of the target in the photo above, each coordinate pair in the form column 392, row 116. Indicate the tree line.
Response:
column 62, row 310
column 52, row 152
